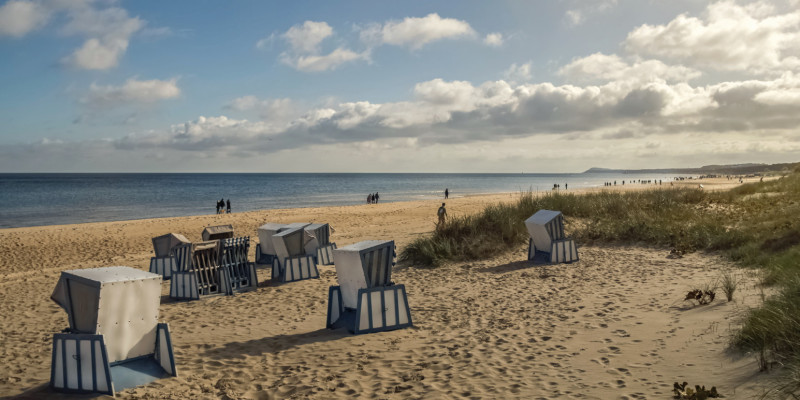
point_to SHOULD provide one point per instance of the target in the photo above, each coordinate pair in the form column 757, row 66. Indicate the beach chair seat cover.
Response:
column 217, row 232
column 265, row 233
column 316, row 236
column 163, row 245
column 120, row 303
column 544, row 227
column 289, row 243
column 363, row 265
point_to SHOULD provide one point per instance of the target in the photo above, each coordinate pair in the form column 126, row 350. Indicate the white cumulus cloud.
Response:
column 600, row 67
column 730, row 37
column 304, row 52
column 416, row 32
column 18, row 18
column 108, row 34
column 493, row 39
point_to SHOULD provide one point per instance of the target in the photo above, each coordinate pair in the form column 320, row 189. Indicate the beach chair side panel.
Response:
column 163, row 266
column 563, row 251
column 163, row 354
column 80, row 364
column 240, row 271
column 299, row 268
column 335, row 306
column 325, row 254
column 382, row 309
column 183, row 286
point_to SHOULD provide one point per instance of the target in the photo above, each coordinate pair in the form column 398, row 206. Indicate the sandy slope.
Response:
column 609, row 326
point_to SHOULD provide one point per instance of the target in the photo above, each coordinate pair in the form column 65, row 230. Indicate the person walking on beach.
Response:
column 369, row 198
column 376, row 198
column 446, row 193
column 229, row 206
column 442, row 213
column 217, row 206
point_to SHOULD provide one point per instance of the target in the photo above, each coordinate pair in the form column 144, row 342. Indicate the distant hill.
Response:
column 732, row 169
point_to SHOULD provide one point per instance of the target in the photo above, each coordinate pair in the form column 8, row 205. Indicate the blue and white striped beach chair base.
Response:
column 263, row 259
column 80, row 364
column 325, row 254
column 295, row 269
column 561, row 251
column 163, row 266
column 183, row 286
column 379, row 309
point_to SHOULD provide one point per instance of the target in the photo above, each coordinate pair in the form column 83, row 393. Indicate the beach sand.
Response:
column 612, row 325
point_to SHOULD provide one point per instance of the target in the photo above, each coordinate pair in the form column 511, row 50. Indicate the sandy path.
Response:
column 609, row 326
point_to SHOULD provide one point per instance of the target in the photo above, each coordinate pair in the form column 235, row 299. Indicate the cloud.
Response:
column 416, row 32
column 581, row 10
column 306, row 38
column 518, row 73
column 599, row 67
column 731, row 37
column 266, row 42
column 108, row 31
column 18, row 18
column 131, row 92
column 304, row 52
column 493, row 39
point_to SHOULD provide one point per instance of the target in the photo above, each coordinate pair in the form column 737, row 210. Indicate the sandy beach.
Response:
column 613, row 325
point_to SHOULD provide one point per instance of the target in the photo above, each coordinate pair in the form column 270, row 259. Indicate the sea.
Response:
column 67, row 198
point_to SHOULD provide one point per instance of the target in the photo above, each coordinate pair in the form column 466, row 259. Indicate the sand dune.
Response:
column 612, row 325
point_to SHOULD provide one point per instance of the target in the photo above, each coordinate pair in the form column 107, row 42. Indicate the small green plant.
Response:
column 698, row 393
column 729, row 283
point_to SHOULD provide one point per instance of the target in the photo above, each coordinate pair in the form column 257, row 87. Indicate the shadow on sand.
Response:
column 275, row 344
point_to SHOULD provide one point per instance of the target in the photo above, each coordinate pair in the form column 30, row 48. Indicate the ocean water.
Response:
column 54, row 199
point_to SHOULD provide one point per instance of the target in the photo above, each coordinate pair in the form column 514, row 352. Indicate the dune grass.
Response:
column 756, row 225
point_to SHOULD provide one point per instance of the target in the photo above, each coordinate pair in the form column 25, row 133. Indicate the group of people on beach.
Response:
column 221, row 206
column 557, row 186
column 373, row 198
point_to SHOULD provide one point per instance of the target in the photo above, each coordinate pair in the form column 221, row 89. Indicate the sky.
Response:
column 413, row 86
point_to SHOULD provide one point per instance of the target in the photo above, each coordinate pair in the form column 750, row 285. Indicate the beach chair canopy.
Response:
column 120, row 303
column 316, row 236
column 298, row 225
column 289, row 243
column 265, row 233
column 163, row 245
column 544, row 227
column 218, row 232
column 366, row 264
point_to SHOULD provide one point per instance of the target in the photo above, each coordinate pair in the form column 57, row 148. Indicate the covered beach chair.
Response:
column 291, row 262
column 114, row 340
column 265, row 251
column 200, row 272
column 318, row 243
column 217, row 232
column 164, row 261
column 241, row 272
column 366, row 299
column 548, row 244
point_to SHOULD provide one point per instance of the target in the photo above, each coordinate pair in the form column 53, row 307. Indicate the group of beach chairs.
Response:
column 115, row 341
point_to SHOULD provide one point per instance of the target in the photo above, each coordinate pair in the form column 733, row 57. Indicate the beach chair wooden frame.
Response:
column 242, row 273
column 204, row 274
column 79, row 364
column 374, row 302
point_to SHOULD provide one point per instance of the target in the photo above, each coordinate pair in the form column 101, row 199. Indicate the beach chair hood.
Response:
column 163, row 245
column 218, row 232
column 544, row 227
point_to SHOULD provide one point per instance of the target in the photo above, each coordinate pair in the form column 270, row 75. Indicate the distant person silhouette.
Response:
column 446, row 193
column 442, row 213
column 376, row 198
column 229, row 206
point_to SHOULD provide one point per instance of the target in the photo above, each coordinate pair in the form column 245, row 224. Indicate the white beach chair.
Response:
column 114, row 340
column 366, row 299
column 291, row 262
column 200, row 272
column 164, row 262
column 318, row 243
column 548, row 244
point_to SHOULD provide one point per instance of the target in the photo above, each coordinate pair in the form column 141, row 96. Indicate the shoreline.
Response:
column 607, row 326
column 712, row 184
